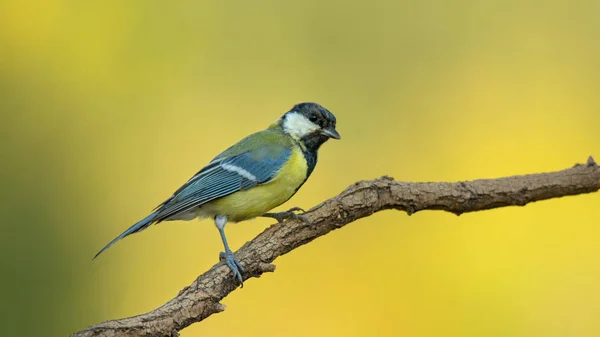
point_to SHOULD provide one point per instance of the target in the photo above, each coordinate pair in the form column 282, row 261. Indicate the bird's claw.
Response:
column 301, row 217
column 233, row 264
column 289, row 214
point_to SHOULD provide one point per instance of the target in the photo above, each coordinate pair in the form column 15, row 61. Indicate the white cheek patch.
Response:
column 298, row 126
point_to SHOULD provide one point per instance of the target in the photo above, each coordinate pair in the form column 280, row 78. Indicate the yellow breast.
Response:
column 248, row 204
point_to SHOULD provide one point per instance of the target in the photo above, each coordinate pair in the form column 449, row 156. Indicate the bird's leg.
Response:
column 289, row 214
column 227, row 255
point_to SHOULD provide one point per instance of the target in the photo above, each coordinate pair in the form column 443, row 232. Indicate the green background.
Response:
column 109, row 106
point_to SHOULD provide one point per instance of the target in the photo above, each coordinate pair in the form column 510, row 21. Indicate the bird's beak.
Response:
column 331, row 133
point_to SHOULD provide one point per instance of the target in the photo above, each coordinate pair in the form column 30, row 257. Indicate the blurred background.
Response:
column 108, row 106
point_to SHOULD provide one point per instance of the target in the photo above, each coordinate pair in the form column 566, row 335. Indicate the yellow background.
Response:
column 109, row 106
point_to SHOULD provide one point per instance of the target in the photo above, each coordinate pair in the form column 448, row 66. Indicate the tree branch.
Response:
column 201, row 299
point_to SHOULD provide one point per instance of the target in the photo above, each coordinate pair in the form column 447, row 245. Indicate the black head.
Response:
column 310, row 120
column 310, row 124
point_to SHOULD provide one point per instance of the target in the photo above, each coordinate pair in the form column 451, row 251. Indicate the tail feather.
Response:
column 140, row 225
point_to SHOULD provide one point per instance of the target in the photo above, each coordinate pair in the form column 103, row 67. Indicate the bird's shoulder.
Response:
column 269, row 143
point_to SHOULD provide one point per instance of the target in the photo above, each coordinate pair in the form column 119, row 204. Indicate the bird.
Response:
column 253, row 176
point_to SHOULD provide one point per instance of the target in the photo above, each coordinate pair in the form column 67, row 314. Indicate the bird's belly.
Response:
column 248, row 204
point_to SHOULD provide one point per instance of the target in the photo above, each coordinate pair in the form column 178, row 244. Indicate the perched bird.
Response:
column 260, row 172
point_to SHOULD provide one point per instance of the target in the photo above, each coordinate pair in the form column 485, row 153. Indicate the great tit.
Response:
column 260, row 172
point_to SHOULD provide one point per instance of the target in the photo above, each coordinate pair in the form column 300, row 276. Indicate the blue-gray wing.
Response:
column 224, row 176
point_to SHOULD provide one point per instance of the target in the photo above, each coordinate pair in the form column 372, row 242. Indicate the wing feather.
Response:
column 224, row 176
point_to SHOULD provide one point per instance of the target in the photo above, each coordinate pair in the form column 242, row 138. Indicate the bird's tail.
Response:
column 140, row 225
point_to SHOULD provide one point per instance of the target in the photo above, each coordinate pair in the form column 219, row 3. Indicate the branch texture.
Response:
column 202, row 298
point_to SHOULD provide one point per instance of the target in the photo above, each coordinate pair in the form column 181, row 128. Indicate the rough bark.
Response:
column 202, row 298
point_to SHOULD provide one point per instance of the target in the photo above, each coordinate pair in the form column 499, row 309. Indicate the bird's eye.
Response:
column 313, row 118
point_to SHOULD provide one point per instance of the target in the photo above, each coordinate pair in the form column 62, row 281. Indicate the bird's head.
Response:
column 309, row 123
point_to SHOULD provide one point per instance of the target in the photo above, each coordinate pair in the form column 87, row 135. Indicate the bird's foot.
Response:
column 289, row 214
column 233, row 264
